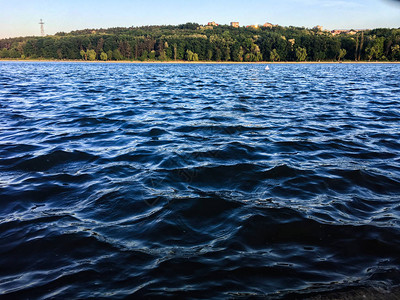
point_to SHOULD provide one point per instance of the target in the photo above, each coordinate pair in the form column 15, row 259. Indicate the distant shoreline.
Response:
column 199, row 62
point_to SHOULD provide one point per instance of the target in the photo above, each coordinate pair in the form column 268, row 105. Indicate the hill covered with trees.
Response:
column 192, row 42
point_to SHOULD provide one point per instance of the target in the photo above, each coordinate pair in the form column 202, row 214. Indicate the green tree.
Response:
column 301, row 54
column 236, row 52
column 227, row 53
column 218, row 54
column 255, row 50
column 396, row 52
column 241, row 53
column 83, row 54
column 4, row 53
column 152, row 55
column 175, row 51
column 250, row 57
column 320, row 55
column 99, row 47
column 91, row 55
column 274, row 56
column 103, row 56
column 332, row 48
column 116, row 54
column 144, row 56
column 360, row 47
column 349, row 44
column 375, row 48
column 189, row 55
column 109, row 55
column 357, row 42
column 342, row 53
column 13, row 53
column 209, row 54
column 162, row 56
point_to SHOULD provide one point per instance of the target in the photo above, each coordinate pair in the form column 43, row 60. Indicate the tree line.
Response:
column 193, row 42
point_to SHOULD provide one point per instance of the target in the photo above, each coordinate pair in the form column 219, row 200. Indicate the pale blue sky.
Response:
column 21, row 18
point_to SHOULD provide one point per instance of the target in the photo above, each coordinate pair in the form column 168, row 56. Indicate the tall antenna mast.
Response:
column 41, row 27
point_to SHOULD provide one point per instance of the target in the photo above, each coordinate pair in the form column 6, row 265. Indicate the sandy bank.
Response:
column 199, row 62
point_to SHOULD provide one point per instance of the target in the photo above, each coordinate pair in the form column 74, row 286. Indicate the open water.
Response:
column 198, row 181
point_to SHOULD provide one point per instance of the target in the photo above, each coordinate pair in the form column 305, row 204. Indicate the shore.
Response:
column 199, row 62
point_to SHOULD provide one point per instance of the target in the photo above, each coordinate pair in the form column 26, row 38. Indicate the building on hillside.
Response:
column 338, row 31
column 235, row 24
column 212, row 23
column 253, row 26
column 346, row 31
column 319, row 28
column 269, row 25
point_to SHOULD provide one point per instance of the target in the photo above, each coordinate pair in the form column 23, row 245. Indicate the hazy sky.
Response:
column 21, row 18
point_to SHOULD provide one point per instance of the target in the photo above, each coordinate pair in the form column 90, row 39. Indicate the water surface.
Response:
column 198, row 181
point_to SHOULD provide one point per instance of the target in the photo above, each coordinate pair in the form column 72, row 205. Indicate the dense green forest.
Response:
column 194, row 42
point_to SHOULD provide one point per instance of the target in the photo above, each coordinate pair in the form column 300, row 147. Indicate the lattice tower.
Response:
column 41, row 27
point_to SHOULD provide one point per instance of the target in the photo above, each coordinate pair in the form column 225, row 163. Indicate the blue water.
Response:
column 201, row 181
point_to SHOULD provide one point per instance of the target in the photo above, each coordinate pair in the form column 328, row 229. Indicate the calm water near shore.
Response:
column 198, row 181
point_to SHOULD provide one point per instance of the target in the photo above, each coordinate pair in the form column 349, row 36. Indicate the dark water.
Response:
column 202, row 181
